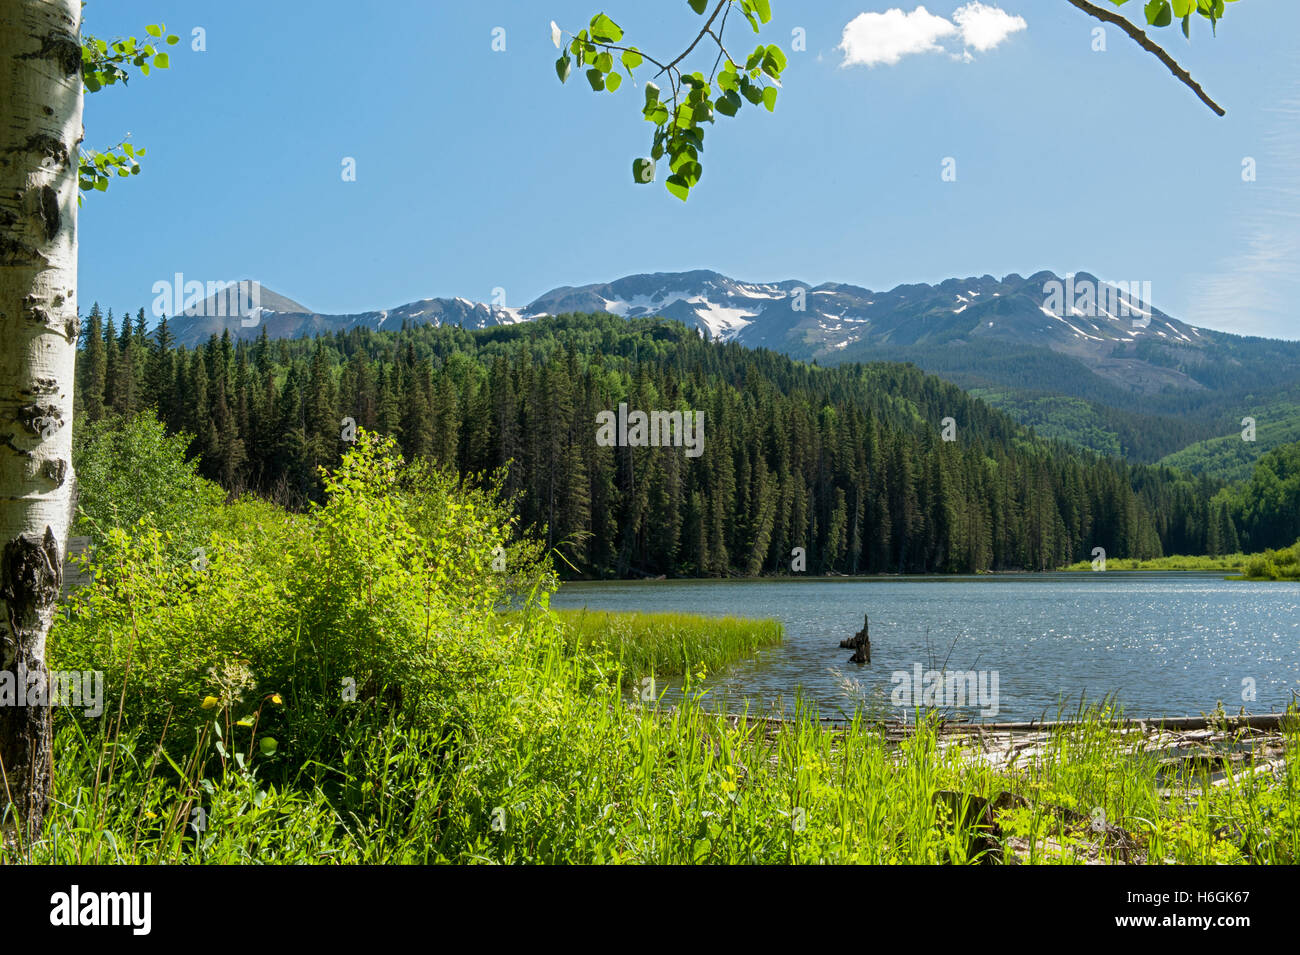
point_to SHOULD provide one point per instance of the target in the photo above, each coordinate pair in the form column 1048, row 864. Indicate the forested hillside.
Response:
column 846, row 462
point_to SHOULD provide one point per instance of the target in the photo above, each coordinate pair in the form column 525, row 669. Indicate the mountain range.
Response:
column 1078, row 358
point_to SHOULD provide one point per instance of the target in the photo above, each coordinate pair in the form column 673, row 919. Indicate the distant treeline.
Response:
column 847, row 463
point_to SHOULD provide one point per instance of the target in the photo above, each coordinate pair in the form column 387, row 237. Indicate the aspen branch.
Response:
column 1144, row 41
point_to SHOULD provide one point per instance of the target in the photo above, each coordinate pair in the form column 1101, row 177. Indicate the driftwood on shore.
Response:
column 860, row 643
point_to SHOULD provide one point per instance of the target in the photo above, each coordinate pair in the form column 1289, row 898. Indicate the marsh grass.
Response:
column 1228, row 563
column 1281, row 564
column 667, row 644
column 582, row 775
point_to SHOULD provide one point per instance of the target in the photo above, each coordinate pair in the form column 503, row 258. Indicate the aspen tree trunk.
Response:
column 40, row 130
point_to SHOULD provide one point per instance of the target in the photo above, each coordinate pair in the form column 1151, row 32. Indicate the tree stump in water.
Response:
column 859, row 643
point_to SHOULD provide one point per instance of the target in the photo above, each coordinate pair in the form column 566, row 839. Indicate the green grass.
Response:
column 668, row 644
column 1229, row 563
column 1270, row 565
column 600, row 781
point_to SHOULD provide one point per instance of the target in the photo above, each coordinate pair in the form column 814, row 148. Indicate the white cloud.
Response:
column 873, row 39
column 985, row 27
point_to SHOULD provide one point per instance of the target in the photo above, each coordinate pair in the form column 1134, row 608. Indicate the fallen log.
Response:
column 1262, row 721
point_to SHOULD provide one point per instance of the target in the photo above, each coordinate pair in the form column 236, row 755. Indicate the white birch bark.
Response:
column 40, row 130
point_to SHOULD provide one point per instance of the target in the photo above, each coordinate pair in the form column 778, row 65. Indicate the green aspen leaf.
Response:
column 631, row 59
column 605, row 30
column 172, row 40
column 1159, row 13
column 643, row 171
column 769, row 98
column 698, row 6
column 729, row 104
column 683, row 154
column 153, row 30
column 604, row 62
column 678, row 187
column 728, row 80
column 268, row 745
column 596, row 78
column 1183, row 7
column 563, row 67
column 764, row 10
column 651, row 95
column 161, row 61
column 613, row 81
column 774, row 61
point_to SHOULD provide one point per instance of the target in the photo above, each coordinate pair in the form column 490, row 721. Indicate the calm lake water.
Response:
column 1161, row 644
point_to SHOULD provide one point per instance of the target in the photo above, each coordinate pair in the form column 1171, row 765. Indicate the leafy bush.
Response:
column 1275, row 564
column 130, row 470
column 387, row 590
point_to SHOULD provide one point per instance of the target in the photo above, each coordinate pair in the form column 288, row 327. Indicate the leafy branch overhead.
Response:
column 692, row 100
column 1162, row 13
column 105, row 64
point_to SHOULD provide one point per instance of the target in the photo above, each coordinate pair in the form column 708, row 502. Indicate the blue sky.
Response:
column 477, row 170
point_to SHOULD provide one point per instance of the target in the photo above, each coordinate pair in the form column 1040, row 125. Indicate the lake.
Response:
column 1160, row 644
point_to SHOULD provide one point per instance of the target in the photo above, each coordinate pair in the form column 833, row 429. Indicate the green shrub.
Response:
column 130, row 470
column 385, row 590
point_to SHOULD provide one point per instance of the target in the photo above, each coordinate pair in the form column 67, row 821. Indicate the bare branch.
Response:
column 1144, row 41
column 703, row 34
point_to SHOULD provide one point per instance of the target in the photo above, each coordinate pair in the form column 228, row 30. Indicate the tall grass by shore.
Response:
column 667, row 644
column 1281, row 564
column 592, row 778
column 1228, row 563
